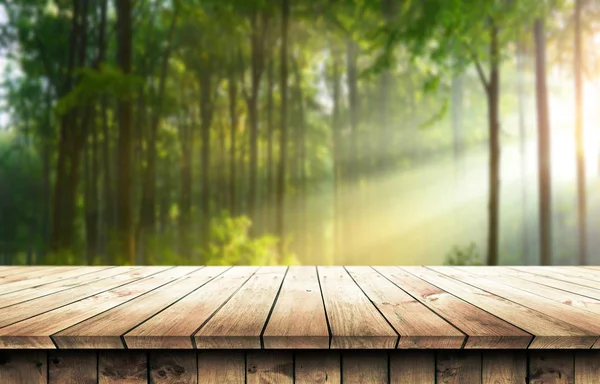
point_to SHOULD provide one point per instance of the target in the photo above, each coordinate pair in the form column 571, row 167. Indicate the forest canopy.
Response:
column 299, row 132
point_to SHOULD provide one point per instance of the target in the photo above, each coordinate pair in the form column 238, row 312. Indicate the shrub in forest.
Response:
column 231, row 244
column 467, row 255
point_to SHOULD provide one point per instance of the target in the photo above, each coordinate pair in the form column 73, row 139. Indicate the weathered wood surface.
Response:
column 300, row 367
column 300, row 308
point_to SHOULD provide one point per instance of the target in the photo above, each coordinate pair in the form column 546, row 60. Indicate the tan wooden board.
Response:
column 104, row 331
column 300, row 299
column 223, row 367
column 30, row 308
column 174, row 327
column 239, row 323
column 35, row 332
column 549, row 332
column 79, row 367
column 484, row 330
column 506, row 367
column 418, row 326
column 317, row 367
column 122, row 367
column 270, row 367
column 18, row 367
column 355, row 322
column 362, row 367
column 172, row 367
column 550, row 367
column 458, row 367
column 60, row 285
column 409, row 367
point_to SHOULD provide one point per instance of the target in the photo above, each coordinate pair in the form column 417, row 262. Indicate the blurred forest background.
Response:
column 299, row 132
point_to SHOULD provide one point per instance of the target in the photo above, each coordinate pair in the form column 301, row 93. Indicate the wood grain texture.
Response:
column 173, row 367
column 551, row 367
column 559, row 274
column 224, row 367
column 35, row 332
column 484, row 330
column 18, row 367
column 44, row 278
column 299, row 299
column 549, row 332
column 239, row 323
column 365, row 367
column 72, row 367
column 60, row 285
column 458, row 367
column 317, row 367
column 105, row 330
column 173, row 327
column 355, row 322
column 122, row 367
column 412, row 367
column 418, row 326
column 17, row 312
column 269, row 367
column 539, row 280
column 540, row 301
column 587, row 367
column 504, row 367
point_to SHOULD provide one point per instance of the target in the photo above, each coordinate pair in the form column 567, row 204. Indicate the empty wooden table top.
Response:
column 303, row 307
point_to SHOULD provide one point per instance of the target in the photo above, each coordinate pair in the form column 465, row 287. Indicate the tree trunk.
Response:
column 337, row 163
column 147, row 223
column 493, row 98
column 125, row 235
column 58, row 217
column 352, row 159
column 258, row 51
column 522, row 148
column 206, row 117
column 543, row 145
column 579, row 143
column 270, row 129
column 233, row 118
column 300, row 163
column 186, row 138
column 283, row 136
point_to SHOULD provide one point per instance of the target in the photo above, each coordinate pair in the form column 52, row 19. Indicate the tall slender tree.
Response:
column 543, row 119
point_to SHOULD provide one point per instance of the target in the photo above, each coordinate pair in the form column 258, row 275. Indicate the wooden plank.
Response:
column 24, row 310
column 576, row 316
column 412, row 367
column 173, row 327
column 35, row 332
column 122, row 367
column 173, row 367
column 548, row 331
column 223, row 367
column 72, row 367
column 539, row 279
column 317, row 367
column 551, row 367
column 105, row 330
column 239, row 323
column 484, row 329
column 365, row 367
column 504, row 367
column 300, row 299
column 57, row 275
column 458, row 367
column 418, row 326
column 587, row 367
column 563, row 275
column 266, row 367
column 552, row 293
column 355, row 323
column 58, row 286
column 7, row 280
column 18, row 367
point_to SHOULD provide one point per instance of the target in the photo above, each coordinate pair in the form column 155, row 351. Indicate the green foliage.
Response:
column 108, row 81
column 231, row 245
column 467, row 255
